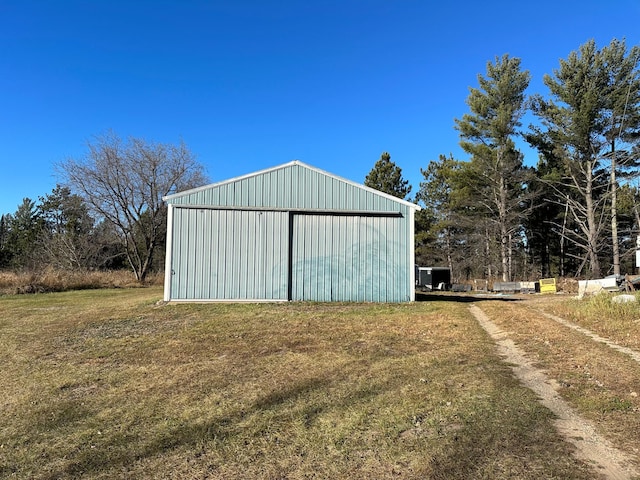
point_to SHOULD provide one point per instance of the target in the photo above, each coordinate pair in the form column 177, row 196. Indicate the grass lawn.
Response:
column 107, row 384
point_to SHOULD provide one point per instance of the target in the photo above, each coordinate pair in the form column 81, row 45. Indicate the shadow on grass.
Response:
column 125, row 450
column 213, row 431
column 464, row 298
column 475, row 451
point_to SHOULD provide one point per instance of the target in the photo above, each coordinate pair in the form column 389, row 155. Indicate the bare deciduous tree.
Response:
column 123, row 181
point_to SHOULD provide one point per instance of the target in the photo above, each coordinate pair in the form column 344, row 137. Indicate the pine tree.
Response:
column 584, row 126
column 386, row 176
column 623, row 109
column 4, row 234
column 487, row 134
column 441, row 240
column 24, row 227
column 67, row 239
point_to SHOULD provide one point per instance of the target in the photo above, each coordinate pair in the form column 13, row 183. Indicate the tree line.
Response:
column 489, row 216
column 573, row 214
column 108, row 213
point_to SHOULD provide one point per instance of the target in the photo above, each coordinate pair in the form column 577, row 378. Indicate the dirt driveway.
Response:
column 563, row 363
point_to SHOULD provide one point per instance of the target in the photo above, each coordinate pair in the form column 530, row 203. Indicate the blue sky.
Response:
column 251, row 84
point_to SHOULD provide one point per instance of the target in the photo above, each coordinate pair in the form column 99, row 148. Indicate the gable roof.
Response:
column 290, row 185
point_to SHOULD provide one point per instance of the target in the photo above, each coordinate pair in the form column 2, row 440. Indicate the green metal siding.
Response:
column 232, row 255
column 293, row 186
column 349, row 258
column 289, row 233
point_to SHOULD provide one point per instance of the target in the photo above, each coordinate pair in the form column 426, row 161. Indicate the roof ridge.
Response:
column 285, row 165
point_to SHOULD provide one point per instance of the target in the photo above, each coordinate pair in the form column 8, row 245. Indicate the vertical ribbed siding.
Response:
column 348, row 258
column 234, row 254
column 243, row 253
column 228, row 254
column 291, row 187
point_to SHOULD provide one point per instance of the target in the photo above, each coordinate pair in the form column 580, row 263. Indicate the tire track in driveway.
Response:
column 591, row 447
column 594, row 336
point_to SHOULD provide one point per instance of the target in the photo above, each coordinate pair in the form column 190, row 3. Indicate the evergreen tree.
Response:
column 459, row 234
column 623, row 110
column 440, row 241
column 386, row 176
column 4, row 236
column 628, row 225
column 487, row 134
column 583, row 126
column 67, row 239
column 547, row 249
column 23, row 227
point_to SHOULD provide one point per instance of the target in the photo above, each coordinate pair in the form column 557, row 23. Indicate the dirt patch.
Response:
column 591, row 447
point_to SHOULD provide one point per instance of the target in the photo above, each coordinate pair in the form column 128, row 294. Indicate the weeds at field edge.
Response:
column 47, row 281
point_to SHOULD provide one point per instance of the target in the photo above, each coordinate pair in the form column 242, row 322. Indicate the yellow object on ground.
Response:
column 548, row 285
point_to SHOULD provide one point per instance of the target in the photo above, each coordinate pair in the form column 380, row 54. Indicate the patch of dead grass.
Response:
column 105, row 384
column 619, row 322
column 599, row 382
column 50, row 280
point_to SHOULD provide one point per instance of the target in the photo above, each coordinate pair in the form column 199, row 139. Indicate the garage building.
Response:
column 292, row 232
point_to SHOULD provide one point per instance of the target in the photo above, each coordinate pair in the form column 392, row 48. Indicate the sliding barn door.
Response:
column 346, row 258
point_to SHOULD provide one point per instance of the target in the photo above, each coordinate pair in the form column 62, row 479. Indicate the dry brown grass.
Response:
column 600, row 383
column 619, row 322
column 50, row 280
column 107, row 384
